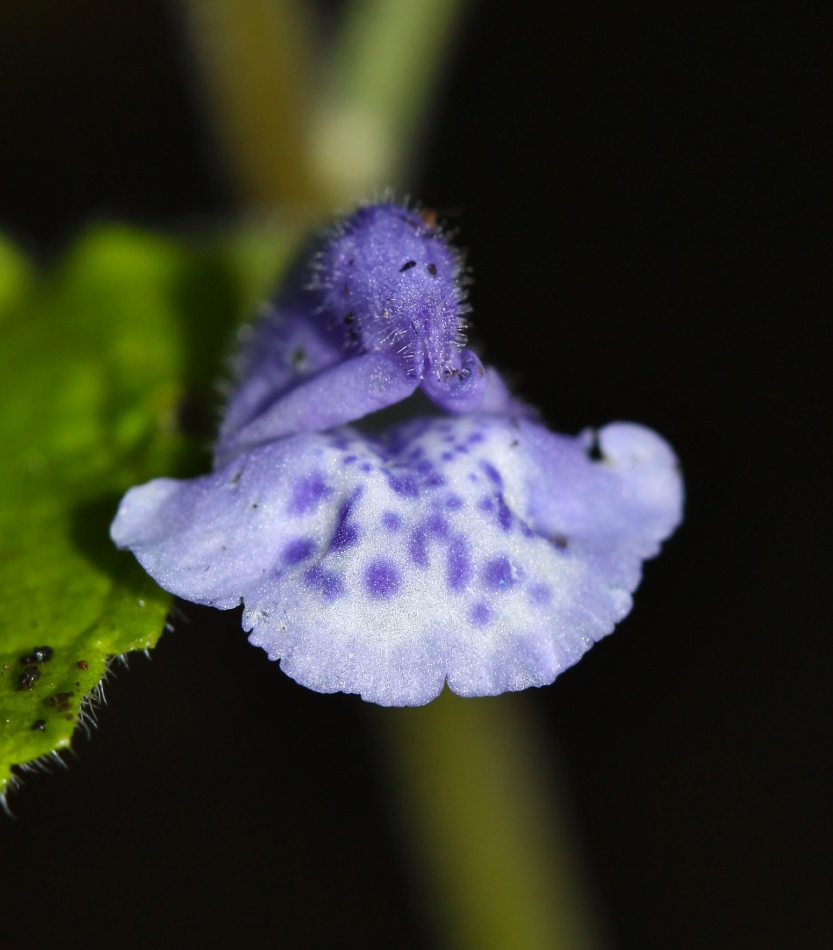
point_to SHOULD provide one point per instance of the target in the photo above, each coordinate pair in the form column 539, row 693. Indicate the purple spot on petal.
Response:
column 493, row 473
column 486, row 504
column 391, row 521
column 350, row 458
column 504, row 515
column 402, row 484
column 480, row 614
column 454, row 502
column 434, row 480
column 458, row 567
column 540, row 594
column 418, row 547
column 382, row 579
column 328, row 584
column 366, row 467
column 447, row 456
column 498, row 573
column 437, row 526
column 308, row 493
column 474, row 438
column 301, row 549
column 345, row 534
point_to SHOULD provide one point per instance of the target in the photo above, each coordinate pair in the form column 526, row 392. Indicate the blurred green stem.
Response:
column 378, row 88
column 487, row 826
column 255, row 58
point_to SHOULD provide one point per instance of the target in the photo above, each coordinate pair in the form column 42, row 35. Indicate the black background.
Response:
column 644, row 193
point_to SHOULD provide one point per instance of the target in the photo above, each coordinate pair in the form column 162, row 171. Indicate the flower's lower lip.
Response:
column 478, row 549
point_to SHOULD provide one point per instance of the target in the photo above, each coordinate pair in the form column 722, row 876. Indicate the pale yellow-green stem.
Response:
column 255, row 64
column 487, row 827
column 378, row 87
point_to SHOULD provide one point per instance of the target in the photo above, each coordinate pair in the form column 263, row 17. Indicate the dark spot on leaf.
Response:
column 39, row 724
column 28, row 678
column 43, row 654
column 407, row 266
column 60, row 700
column 82, row 664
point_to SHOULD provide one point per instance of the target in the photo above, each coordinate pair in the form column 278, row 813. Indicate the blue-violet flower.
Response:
column 466, row 545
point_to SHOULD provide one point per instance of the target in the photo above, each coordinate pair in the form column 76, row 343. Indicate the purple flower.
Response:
column 469, row 546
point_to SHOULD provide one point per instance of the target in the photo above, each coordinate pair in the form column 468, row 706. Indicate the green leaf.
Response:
column 108, row 372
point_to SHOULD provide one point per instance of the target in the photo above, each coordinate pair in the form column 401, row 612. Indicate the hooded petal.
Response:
column 376, row 312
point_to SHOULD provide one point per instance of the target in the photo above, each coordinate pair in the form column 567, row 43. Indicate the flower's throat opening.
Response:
column 416, row 406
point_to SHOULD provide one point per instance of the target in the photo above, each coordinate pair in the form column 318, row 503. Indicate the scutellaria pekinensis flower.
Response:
column 463, row 544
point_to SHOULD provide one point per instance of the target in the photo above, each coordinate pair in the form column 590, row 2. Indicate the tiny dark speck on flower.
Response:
column 298, row 357
column 432, row 270
column 407, row 266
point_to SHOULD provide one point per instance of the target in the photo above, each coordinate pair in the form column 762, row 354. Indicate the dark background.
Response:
column 644, row 192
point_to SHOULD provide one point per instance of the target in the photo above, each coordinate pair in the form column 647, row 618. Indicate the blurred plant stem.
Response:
column 378, row 87
column 308, row 132
column 486, row 824
column 255, row 59
column 481, row 812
